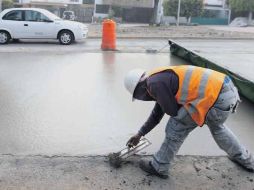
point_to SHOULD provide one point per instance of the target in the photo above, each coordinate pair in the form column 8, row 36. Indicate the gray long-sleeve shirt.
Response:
column 162, row 87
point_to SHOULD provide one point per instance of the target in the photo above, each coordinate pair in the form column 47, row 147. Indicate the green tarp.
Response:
column 245, row 86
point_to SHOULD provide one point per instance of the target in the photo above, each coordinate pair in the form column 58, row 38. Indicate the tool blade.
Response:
column 126, row 152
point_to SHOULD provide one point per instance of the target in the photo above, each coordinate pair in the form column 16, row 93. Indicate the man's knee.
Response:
column 217, row 129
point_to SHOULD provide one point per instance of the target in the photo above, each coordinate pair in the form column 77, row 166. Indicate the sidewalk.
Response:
column 94, row 173
column 190, row 32
column 234, row 29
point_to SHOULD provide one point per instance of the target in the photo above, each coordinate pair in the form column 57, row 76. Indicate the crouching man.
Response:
column 192, row 96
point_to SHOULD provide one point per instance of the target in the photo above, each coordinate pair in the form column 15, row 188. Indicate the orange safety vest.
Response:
column 198, row 89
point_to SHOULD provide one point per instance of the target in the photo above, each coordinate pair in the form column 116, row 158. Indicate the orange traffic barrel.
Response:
column 108, row 35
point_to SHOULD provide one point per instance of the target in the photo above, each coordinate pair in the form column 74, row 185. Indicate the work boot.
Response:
column 248, row 167
column 147, row 167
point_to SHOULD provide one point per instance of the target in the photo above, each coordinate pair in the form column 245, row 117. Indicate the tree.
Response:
column 192, row 8
column 155, row 9
column 242, row 6
column 188, row 7
column 6, row 4
column 170, row 7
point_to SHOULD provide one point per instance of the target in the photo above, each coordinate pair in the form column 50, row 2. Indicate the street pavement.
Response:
column 235, row 55
column 64, row 108
column 59, row 100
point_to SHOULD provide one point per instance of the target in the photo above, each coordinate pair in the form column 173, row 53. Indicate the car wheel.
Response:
column 66, row 37
column 4, row 37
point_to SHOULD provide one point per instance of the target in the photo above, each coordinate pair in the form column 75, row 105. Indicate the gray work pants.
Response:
column 180, row 126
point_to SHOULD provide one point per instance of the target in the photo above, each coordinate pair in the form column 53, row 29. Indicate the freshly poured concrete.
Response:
column 76, row 104
column 235, row 55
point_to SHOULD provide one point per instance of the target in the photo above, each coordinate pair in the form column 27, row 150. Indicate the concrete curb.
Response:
column 93, row 172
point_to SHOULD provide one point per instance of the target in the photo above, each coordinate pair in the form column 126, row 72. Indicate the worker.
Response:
column 192, row 96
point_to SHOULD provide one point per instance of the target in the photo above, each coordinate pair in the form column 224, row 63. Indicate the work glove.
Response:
column 133, row 141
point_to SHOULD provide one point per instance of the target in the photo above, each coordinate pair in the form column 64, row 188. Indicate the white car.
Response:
column 34, row 23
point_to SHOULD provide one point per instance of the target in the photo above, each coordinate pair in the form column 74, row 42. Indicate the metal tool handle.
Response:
column 127, row 152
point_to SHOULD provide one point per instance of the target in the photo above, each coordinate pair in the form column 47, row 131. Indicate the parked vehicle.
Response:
column 34, row 23
column 69, row 15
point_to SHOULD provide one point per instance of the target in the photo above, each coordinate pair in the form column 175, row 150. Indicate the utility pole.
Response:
column 229, row 16
column 178, row 12
column 159, row 13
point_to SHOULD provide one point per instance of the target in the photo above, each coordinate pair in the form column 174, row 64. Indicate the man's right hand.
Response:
column 133, row 141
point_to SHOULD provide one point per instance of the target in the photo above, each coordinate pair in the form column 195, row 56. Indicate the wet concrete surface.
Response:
column 76, row 104
column 235, row 55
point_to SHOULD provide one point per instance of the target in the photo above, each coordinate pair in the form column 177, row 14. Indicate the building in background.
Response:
column 215, row 12
column 139, row 11
column 215, row 3
column 83, row 9
column 127, row 10
column 218, row 6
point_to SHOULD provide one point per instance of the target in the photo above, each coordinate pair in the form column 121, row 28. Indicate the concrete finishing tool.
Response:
column 116, row 159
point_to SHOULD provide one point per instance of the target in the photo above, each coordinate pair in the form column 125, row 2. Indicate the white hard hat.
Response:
column 132, row 79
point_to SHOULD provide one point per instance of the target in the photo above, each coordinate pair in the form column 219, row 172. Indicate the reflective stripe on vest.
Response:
column 198, row 90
